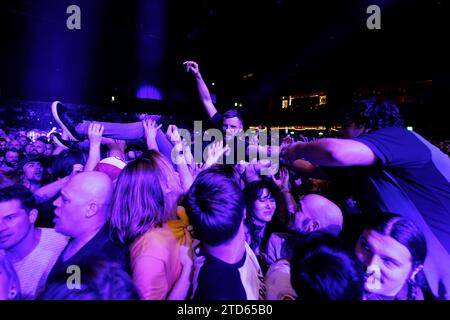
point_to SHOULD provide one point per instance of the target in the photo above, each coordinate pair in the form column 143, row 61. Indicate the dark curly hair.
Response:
column 374, row 114
column 252, row 192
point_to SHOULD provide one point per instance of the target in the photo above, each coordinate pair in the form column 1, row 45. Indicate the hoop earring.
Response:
column 12, row 294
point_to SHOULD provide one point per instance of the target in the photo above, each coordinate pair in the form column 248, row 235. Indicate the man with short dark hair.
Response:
column 11, row 161
column 3, row 144
column 225, row 267
column 33, row 172
column 38, row 147
column 32, row 251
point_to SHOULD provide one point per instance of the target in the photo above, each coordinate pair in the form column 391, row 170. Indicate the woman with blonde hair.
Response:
column 146, row 216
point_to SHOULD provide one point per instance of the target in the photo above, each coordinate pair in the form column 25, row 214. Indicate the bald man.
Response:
column 81, row 214
column 313, row 213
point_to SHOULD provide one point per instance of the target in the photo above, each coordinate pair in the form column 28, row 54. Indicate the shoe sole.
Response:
column 58, row 120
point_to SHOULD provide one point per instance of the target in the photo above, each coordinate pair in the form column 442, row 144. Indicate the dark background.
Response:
column 254, row 51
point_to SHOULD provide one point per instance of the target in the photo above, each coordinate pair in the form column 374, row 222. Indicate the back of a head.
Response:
column 215, row 205
column 146, row 196
column 101, row 280
column 20, row 193
column 63, row 163
column 321, row 269
column 226, row 170
column 374, row 114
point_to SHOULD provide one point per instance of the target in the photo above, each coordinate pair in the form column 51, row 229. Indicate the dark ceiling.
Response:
column 255, row 51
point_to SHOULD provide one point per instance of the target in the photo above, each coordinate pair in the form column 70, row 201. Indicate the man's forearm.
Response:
column 50, row 190
column 334, row 152
column 205, row 96
column 93, row 158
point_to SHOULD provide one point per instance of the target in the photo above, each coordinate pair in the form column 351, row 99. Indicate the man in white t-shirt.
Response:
column 32, row 251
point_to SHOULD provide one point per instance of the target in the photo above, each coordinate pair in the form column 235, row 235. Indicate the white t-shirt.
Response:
column 33, row 270
column 278, row 282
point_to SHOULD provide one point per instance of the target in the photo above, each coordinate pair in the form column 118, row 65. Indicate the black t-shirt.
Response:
column 101, row 247
column 411, row 178
column 218, row 280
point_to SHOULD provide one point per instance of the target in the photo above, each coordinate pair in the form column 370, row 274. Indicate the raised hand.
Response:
column 95, row 133
column 192, row 67
column 150, row 128
column 173, row 135
column 215, row 151
column 283, row 181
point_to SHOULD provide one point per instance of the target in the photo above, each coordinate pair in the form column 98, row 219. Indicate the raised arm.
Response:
column 202, row 88
column 50, row 190
column 331, row 152
column 151, row 128
column 178, row 155
column 308, row 170
column 95, row 133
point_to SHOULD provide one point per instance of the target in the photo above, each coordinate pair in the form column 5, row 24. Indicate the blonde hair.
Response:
column 145, row 196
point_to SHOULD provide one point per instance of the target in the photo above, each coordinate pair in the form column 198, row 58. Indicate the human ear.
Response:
column 32, row 216
column 415, row 272
column 91, row 210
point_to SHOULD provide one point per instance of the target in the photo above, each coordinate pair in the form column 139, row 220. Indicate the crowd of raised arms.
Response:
column 126, row 211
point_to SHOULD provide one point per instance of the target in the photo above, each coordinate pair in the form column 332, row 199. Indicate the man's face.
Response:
column 11, row 159
column 15, row 223
column 70, row 211
column 388, row 262
column 300, row 221
column 231, row 126
column 48, row 149
column 38, row 147
column 33, row 171
column 28, row 148
column 23, row 141
column 14, row 145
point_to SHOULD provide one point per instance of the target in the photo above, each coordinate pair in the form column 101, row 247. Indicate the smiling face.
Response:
column 15, row 223
column 264, row 206
column 388, row 262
